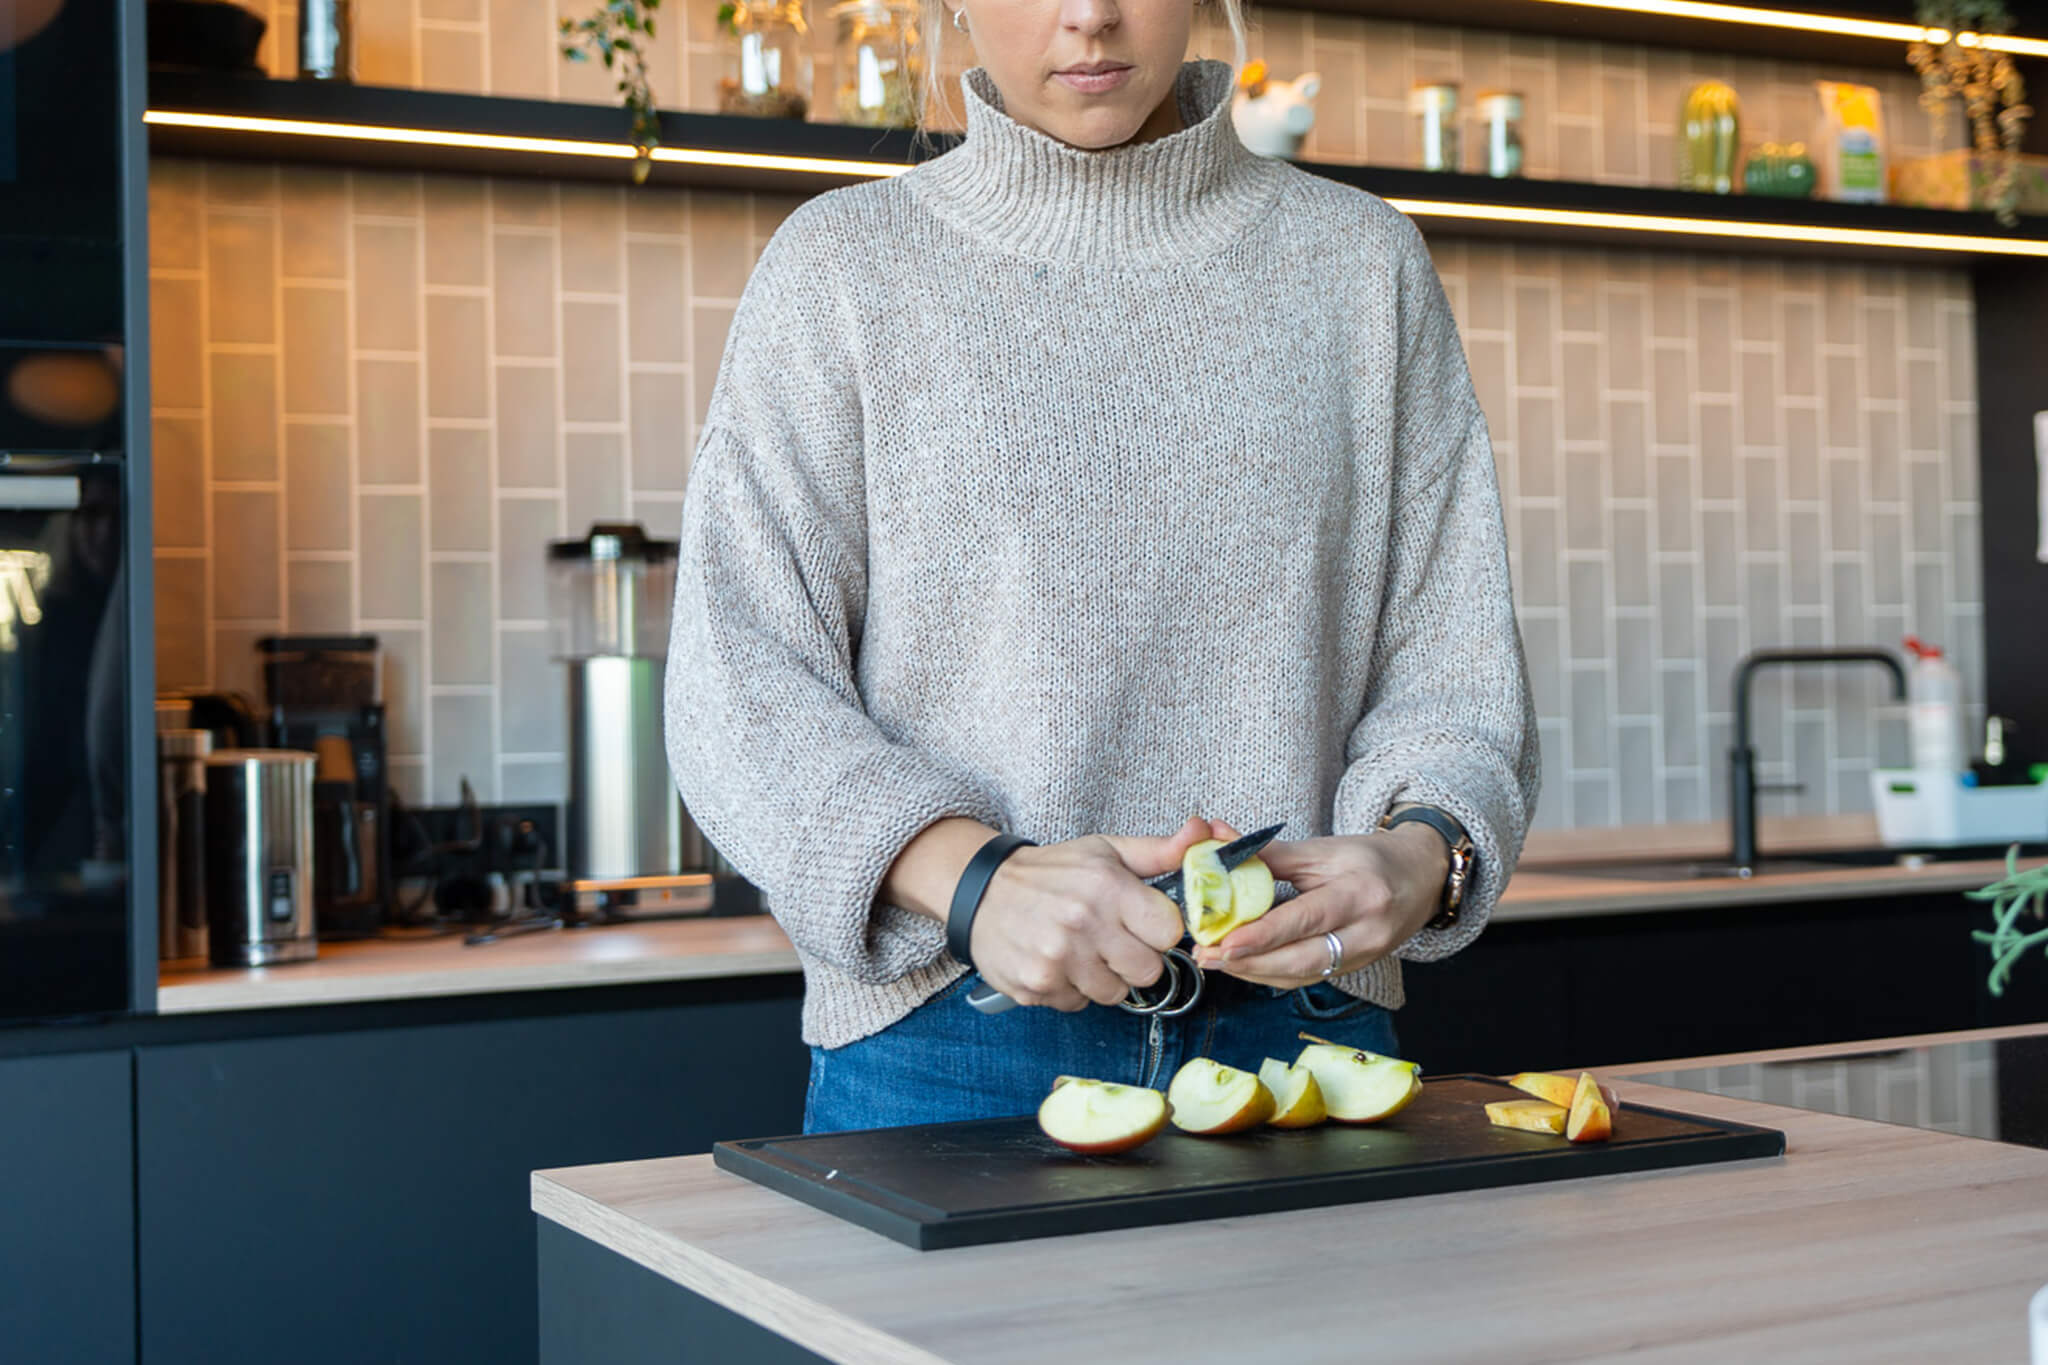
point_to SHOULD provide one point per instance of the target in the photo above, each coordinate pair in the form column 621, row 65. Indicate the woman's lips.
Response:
column 1094, row 82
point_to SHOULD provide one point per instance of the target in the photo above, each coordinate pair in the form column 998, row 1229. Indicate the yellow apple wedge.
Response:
column 1219, row 899
column 1535, row 1116
column 1100, row 1117
column 1209, row 1097
column 1297, row 1098
column 1545, row 1085
column 1590, row 1120
column 1358, row 1086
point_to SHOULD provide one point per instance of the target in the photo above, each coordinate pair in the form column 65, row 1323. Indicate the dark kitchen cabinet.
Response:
column 1608, row 989
column 67, row 1224
column 362, row 1194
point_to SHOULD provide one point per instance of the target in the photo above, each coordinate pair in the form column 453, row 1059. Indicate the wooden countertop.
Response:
column 676, row 950
column 1866, row 1242
column 404, row 969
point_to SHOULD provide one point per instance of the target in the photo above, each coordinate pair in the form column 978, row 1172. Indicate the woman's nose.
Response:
column 1088, row 16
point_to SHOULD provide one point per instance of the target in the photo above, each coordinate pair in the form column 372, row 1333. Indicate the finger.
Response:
column 1224, row 830
column 1308, row 916
column 1136, row 961
column 1292, row 860
column 1152, row 857
column 1292, row 964
column 1094, row 978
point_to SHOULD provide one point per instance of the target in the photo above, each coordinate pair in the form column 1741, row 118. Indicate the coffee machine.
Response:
column 323, row 695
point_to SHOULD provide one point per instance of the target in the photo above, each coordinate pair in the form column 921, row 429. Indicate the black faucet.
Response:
column 1742, row 757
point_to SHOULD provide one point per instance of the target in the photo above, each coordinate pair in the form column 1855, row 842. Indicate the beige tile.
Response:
column 388, row 566
column 1886, row 457
column 458, row 357
column 245, row 556
column 1758, row 398
column 1625, row 339
column 1842, row 406
column 1801, row 348
column 523, row 289
column 452, row 59
column 385, row 195
column 180, row 623
column 660, row 513
column 1717, row 452
column 710, row 327
column 177, row 459
column 315, row 350
column 1385, row 135
column 1628, row 446
column 535, row 712
column 522, row 48
column 1578, row 152
column 1757, row 296
column 235, row 664
column 1578, row 292
column 1535, row 334
column 241, row 277
column 1585, row 511
column 591, row 368
column 244, row 413
column 240, row 183
column 1674, row 503
column 177, row 349
column 1881, row 353
column 1714, row 334
column 1671, row 395
column 523, row 203
column 1959, row 357
column 456, row 242
column 1841, row 304
column 1578, row 79
column 388, row 421
column 1621, row 124
column 666, row 212
column 463, row 747
column 1802, row 452
column 176, row 213
column 313, row 222
column 387, row 285
column 596, row 487
column 1536, row 461
column 318, row 598
column 771, row 211
column 1488, row 359
column 459, row 492
column 592, row 235
column 660, row 432
column 317, row 487
column 405, row 687
column 721, row 254
column 384, row 42
column 453, row 11
column 657, row 304
column 1923, row 330
column 1671, row 280
column 1335, row 131
column 459, row 630
column 527, row 428
column 1581, row 365
column 525, row 526
column 1923, row 406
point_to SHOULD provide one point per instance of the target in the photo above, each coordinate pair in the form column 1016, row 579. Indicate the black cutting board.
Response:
column 1001, row 1180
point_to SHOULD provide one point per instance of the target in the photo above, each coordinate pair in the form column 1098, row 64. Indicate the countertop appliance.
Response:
column 77, row 737
column 259, row 857
column 630, row 842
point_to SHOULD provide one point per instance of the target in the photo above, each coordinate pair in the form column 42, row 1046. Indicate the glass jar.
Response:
column 767, row 61
column 1436, row 125
column 881, row 63
column 1500, row 114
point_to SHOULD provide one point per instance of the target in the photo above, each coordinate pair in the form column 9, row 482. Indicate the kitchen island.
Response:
column 1866, row 1241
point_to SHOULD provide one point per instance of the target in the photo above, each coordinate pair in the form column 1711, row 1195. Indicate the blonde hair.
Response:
column 939, row 30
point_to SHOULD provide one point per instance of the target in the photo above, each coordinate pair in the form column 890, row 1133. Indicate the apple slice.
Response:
column 1209, row 1097
column 1590, row 1120
column 1218, row 900
column 1545, row 1085
column 1101, row 1117
column 1359, row 1086
column 1535, row 1116
column 1297, row 1098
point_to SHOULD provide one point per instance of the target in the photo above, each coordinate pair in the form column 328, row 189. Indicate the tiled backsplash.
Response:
column 377, row 396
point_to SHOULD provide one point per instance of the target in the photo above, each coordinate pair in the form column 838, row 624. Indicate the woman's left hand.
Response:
column 1374, row 891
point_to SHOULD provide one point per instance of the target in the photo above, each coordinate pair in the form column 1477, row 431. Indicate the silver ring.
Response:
column 1336, row 947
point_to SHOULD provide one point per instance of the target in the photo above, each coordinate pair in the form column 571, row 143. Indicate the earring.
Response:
column 960, row 19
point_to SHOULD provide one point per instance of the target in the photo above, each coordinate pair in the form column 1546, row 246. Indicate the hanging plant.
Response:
column 1993, row 95
column 2015, row 898
column 614, row 35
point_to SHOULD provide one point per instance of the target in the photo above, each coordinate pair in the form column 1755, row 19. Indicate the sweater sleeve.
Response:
column 774, row 753
column 1448, row 719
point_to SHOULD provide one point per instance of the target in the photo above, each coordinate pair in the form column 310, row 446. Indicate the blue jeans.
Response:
column 945, row 1060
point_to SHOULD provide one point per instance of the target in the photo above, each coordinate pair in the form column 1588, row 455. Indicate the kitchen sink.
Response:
column 1829, row 860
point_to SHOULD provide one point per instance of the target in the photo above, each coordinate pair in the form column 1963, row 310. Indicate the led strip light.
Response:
column 1721, row 227
column 1813, row 23
column 501, row 142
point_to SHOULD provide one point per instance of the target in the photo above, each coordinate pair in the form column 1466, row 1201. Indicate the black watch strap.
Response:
column 973, row 885
column 1463, row 860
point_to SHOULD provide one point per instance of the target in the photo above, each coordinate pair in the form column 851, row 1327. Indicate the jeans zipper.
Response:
column 1155, row 1049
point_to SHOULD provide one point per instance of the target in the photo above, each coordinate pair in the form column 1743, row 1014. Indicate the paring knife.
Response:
column 989, row 1000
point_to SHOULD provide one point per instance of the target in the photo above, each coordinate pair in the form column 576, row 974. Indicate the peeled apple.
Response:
column 1220, row 899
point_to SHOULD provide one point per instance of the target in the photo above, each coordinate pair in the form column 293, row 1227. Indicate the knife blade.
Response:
column 1236, row 853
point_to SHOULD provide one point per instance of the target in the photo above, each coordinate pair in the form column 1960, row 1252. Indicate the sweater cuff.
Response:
column 844, row 850
column 1454, row 776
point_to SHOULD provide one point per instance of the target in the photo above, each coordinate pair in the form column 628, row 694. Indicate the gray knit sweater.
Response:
column 1075, row 492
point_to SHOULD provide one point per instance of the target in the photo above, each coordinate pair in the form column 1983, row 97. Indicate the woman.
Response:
column 1090, row 474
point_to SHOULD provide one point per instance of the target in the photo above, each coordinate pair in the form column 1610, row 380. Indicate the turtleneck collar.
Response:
column 1179, row 197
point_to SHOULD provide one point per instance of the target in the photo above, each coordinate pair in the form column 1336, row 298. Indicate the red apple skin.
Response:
column 1256, row 1111
column 1590, row 1120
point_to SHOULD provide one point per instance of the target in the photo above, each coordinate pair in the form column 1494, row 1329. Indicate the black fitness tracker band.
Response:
column 981, row 870
column 1464, row 860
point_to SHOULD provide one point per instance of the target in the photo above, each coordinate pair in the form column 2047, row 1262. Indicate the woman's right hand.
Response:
column 1069, row 923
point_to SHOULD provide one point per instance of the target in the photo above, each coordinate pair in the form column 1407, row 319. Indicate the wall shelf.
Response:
column 412, row 130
